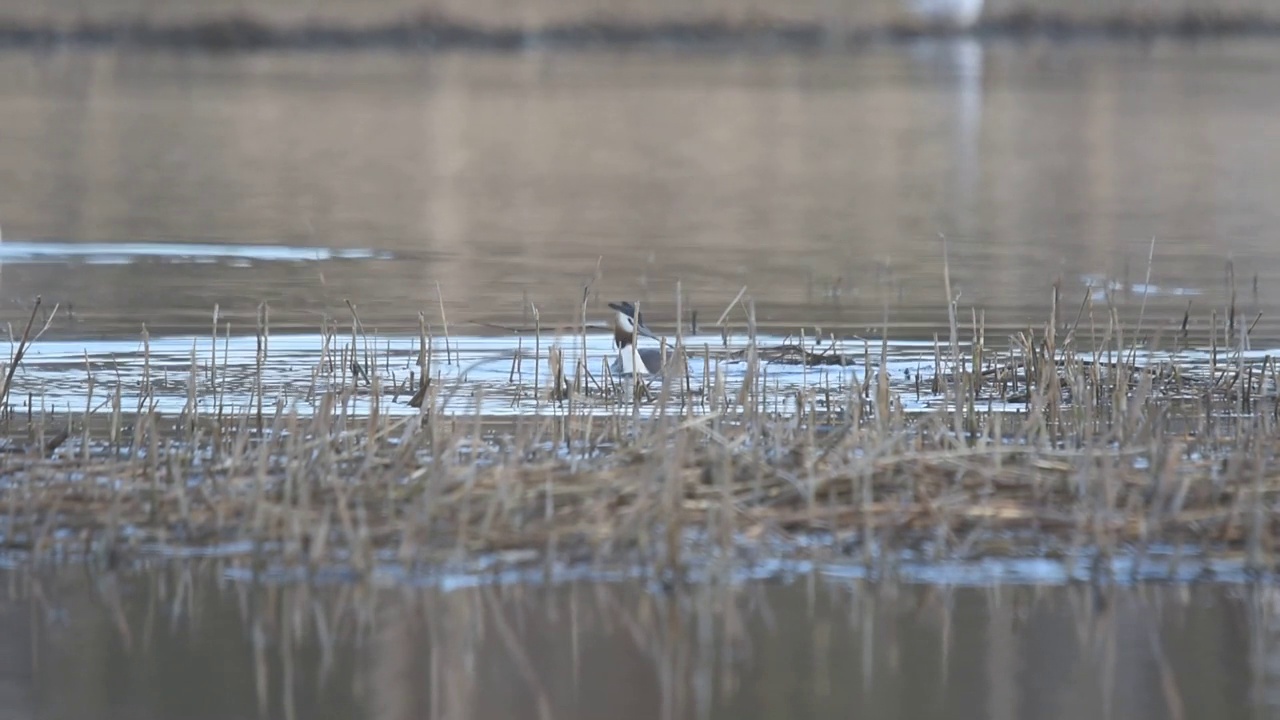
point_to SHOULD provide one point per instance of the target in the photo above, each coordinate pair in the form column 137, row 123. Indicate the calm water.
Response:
column 148, row 188
column 819, row 181
column 189, row 642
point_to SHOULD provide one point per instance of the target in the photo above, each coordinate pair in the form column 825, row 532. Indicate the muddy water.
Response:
column 148, row 188
column 198, row 641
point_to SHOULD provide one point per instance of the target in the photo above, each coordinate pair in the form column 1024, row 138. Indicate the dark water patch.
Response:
column 434, row 31
column 194, row 640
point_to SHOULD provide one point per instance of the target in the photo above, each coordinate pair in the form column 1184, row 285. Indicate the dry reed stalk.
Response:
column 682, row 486
column 444, row 322
column 24, row 344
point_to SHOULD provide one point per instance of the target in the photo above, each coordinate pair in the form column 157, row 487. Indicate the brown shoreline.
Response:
column 435, row 31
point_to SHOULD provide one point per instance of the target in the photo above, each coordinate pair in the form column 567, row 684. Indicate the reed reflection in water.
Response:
column 186, row 641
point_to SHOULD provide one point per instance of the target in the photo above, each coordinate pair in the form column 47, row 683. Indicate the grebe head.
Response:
column 628, row 322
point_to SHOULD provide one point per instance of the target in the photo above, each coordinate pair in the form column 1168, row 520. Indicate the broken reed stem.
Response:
column 18, row 354
column 444, row 321
column 954, row 337
column 260, row 359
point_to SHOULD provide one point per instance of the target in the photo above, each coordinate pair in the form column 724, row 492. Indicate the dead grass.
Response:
column 1065, row 443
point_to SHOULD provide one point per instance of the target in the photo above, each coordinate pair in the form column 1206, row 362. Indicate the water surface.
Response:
column 186, row 641
column 144, row 190
column 820, row 181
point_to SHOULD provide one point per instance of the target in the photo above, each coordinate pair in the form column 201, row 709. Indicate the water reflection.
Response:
column 183, row 641
column 954, row 69
column 820, row 181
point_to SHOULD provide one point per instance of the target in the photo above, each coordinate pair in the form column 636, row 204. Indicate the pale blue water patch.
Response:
column 113, row 253
column 522, row 567
column 1224, row 355
column 1102, row 286
column 1161, row 564
column 493, row 375
column 237, row 548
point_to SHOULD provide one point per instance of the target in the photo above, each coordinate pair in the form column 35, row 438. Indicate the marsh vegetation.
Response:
column 1081, row 439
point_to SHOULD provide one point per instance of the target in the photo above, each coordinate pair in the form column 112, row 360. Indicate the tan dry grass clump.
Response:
column 1107, row 454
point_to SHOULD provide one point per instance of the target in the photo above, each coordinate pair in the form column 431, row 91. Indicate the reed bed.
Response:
column 1062, row 442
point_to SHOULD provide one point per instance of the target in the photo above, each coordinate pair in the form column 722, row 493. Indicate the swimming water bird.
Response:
column 632, row 360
